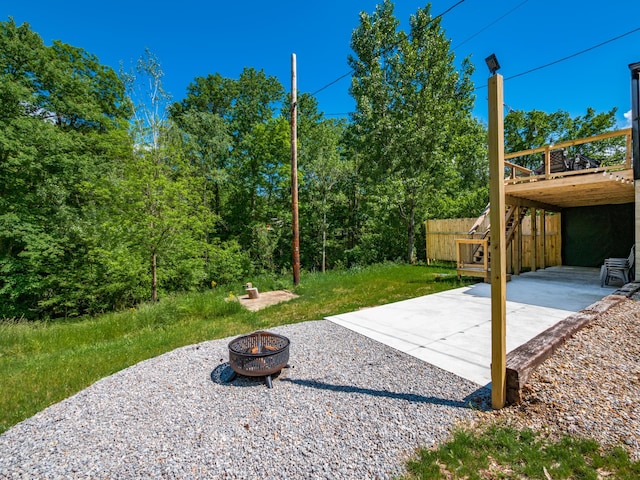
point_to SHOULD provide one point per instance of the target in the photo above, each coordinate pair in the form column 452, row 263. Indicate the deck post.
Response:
column 516, row 245
column 543, row 238
column 534, row 239
column 498, row 243
column 547, row 161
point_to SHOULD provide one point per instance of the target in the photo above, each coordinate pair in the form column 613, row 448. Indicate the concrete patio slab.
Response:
column 452, row 329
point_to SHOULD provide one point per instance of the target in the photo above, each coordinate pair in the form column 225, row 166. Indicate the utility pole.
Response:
column 294, row 174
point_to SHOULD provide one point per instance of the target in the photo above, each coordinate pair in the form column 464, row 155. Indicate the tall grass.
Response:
column 44, row 362
column 337, row 292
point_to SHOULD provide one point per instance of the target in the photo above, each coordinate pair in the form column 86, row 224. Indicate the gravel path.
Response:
column 348, row 407
column 590, row 386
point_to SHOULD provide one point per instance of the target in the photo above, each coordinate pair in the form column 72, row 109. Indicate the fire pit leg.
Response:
column 268, row 380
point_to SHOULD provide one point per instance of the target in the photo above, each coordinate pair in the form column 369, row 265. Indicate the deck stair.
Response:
column 513, row 220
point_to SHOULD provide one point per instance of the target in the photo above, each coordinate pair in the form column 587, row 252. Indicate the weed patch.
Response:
column 498, row 451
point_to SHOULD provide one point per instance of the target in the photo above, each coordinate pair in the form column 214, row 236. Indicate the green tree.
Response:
column 466, row 191
column 205, row 118
column 526, row 130
column 410, row 103
column 62, row 122
column 323, row 169
column 209, row 144
column 159, row 214
column 262, row 181
column 251, row 190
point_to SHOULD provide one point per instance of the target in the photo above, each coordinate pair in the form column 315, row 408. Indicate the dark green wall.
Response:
column 591, row 234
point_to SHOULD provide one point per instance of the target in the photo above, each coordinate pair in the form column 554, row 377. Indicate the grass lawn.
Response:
column 497, row 451
column 42, row 363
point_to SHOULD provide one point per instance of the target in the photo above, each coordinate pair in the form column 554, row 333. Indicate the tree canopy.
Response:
column 112, row 193
column 528, row 130
column 62, row 122
column 413, row 112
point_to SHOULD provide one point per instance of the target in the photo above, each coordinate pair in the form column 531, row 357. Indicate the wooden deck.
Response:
column 553, row 187
column 553, row 191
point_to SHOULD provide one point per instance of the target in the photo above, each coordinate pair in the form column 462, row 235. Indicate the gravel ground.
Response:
column 348, row 407
column 590, row 386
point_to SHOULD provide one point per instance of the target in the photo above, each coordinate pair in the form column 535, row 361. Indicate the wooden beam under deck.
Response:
column 610, row 188
column 523, row 202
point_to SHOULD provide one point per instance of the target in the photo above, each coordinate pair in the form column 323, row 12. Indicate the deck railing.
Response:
column 466, row 263
column 516, row 173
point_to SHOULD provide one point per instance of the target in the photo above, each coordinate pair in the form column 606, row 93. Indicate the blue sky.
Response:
column 195, row 37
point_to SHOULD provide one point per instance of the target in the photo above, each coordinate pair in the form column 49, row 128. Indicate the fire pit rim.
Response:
column 262, row 363
column 236, row 340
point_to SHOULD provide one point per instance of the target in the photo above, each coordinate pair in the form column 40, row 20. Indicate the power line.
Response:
column 351, row 71
column 446, row 11
column 567, row 57
column 560, row 60
column 331, row 83
column 574, row 54
column 490, row 25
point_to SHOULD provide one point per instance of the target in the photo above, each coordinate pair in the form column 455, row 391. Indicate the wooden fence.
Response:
column 441, row 238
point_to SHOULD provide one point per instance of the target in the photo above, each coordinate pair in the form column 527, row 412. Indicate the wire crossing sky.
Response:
column 567, row 55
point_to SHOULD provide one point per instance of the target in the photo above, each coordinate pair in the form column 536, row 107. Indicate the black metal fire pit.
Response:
column 259, row 354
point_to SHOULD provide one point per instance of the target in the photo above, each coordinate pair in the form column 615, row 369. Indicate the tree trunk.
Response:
column 411, row 232
column 154, row 275
column 352, row 233
column 324, row 238
column 216, row 193
column 152, row 235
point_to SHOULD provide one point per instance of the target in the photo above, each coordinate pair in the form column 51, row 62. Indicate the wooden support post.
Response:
column 498, row 247
column 517, row 245
column 547, row 161
column 543, row 238
column 534, row 239
column 426, row 241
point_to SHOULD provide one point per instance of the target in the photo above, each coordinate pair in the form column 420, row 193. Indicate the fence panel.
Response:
column 441, row 239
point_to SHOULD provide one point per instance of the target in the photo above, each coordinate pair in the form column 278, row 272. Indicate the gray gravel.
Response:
column 348, row 407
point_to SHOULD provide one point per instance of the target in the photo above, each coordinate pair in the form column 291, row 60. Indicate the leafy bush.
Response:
column 228, row 263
